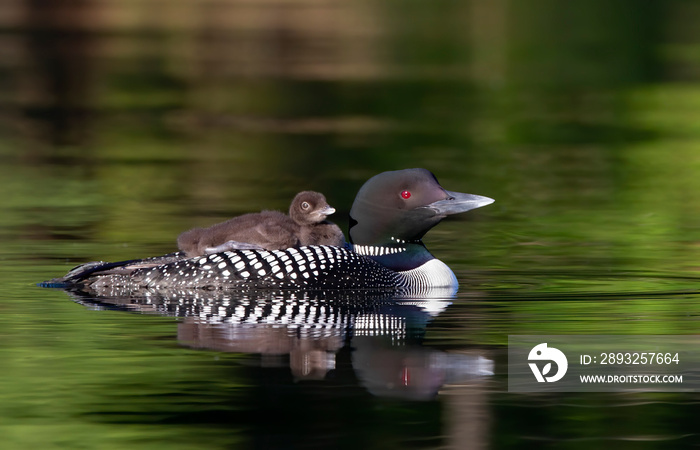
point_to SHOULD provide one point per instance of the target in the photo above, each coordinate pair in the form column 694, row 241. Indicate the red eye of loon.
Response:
column 405, row 195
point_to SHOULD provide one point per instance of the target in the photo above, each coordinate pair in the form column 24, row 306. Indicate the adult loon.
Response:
column 268, row 230
column 391, row 213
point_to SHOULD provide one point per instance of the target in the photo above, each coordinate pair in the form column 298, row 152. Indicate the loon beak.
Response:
column 327, row 211
column 457, row 202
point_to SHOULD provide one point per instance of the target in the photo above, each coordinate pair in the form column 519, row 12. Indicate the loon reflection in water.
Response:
column 310, row 331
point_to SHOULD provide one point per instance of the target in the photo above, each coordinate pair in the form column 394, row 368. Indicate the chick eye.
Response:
column 305, row 205
column 405, row 195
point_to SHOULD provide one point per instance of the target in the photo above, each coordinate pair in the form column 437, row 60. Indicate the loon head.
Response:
column 309, row 207
column 401, row 206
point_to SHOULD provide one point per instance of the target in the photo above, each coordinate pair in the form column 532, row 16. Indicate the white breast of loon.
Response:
column 431, row 274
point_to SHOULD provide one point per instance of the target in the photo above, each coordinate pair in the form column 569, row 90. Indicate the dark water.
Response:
column 125, row 123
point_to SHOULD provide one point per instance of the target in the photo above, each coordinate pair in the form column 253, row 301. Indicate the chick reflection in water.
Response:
column 309, row 358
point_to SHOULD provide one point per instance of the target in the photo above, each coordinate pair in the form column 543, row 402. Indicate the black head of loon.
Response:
column 393, row 211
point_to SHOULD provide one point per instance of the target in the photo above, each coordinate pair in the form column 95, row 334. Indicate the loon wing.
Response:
column 103, row 268
column 313, row 267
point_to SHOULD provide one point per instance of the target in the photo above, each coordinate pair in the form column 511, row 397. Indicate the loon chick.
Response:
column 268, row 230
column 391, row 213
column 309, row 211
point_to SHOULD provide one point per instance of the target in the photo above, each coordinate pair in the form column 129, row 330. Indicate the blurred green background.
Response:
column 126, row 122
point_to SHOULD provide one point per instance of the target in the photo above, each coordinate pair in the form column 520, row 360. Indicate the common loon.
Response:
column 391, row 213
column 268, row 230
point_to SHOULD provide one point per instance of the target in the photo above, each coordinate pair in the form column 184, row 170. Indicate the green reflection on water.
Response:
column 70, row 374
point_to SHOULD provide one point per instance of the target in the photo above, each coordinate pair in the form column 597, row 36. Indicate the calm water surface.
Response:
column 124, row 123
column 226, row 370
